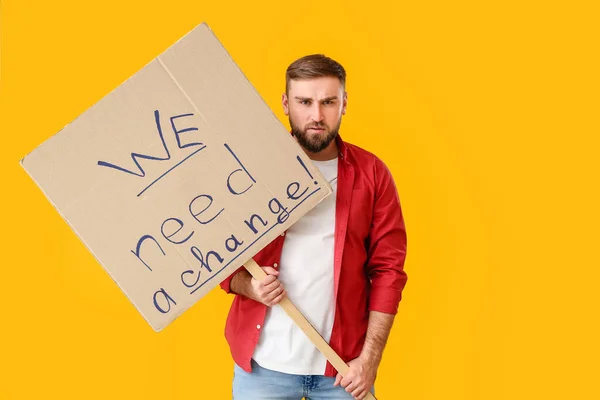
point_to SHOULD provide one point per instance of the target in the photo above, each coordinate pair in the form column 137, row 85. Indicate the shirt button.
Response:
column 257, row 326
column 275, row 265
column 283, row 234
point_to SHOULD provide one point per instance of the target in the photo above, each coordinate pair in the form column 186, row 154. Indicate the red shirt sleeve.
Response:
column 387, row 245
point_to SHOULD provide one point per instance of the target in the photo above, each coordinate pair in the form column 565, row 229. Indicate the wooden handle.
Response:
column 257, row 273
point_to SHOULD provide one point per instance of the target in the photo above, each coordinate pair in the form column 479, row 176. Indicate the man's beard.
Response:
column 317, row 142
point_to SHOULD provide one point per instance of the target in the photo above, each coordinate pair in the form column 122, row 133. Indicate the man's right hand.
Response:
column 268, row 290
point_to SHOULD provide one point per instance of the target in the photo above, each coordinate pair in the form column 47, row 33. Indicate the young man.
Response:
column 341, row 264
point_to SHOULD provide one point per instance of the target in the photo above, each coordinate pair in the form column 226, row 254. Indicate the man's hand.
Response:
column 360, row 377
column 363, row 370
column 268, row 290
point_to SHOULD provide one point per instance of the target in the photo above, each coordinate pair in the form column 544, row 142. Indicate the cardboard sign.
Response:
column 177, row 177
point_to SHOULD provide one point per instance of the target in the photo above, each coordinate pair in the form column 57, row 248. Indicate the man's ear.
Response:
column 285, row 104
column 344, row 103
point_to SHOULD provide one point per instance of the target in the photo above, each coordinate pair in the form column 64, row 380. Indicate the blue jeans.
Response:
column 265, row 384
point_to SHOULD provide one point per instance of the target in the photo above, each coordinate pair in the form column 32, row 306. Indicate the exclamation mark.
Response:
column 306, row 169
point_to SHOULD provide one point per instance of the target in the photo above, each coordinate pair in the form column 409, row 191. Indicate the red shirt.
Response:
column 369, row 254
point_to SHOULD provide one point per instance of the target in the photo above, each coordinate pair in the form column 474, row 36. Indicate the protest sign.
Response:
column 177, row 177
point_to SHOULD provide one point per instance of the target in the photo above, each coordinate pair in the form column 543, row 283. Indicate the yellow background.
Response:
column 487, row 115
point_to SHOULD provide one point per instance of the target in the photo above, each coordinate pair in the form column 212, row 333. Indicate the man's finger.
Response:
column 273, row 292
column 338, row 379
column 358, row 393
column 270, row 271
column 268, row 279
column 351, row 387
column 346, row 380
column 272, row 296
column 277, row 299
column 272, row 286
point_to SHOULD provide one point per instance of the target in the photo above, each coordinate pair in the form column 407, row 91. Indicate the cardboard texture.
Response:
column 177, row 177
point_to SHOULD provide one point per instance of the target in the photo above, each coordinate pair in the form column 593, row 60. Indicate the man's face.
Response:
column 315, row 108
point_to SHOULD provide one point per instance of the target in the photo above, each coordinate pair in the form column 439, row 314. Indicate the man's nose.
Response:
column 317, row 114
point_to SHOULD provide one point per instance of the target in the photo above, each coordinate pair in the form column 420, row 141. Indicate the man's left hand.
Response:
column 359, row 379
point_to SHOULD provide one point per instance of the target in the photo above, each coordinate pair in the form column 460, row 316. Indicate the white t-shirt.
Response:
column 306, row 272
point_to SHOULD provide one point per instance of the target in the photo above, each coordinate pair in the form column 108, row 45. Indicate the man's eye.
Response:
column 328, row 102
column 304, row 102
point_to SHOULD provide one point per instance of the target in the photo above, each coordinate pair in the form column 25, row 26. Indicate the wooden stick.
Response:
column 257, row 273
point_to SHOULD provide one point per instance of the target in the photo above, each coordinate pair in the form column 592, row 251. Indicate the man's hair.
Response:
column 314, row 66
